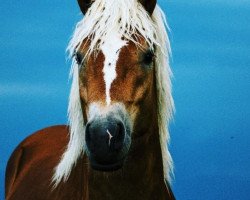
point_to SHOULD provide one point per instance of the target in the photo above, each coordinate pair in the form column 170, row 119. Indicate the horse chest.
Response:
column 124, row 193
column 123, row 188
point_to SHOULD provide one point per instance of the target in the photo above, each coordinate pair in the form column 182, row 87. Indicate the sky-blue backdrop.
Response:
column 211, row 63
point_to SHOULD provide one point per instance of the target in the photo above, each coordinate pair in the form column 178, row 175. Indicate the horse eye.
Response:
column 78, row 57
column 148, row 57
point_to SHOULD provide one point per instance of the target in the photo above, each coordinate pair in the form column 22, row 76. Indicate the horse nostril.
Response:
column 87, row 135
column 119, row 135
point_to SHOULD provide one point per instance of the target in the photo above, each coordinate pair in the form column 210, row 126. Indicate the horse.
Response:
column 115, row 145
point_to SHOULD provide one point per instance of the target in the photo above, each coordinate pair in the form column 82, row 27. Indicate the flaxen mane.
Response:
column 131, row 21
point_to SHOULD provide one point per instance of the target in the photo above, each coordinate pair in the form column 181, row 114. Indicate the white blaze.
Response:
column 111, row 49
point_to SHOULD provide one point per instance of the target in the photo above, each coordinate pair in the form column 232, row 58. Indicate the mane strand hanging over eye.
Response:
column 79, row 58
column 148, row 57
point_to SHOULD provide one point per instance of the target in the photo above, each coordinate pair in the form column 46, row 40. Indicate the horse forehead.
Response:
column 111, row 49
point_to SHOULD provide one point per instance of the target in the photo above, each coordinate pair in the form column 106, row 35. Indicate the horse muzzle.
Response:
column 108, row 140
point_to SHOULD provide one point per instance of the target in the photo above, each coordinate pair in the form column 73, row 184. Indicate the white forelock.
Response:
column 129, row 19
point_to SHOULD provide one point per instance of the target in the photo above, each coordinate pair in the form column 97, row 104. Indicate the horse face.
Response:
column 116, row 85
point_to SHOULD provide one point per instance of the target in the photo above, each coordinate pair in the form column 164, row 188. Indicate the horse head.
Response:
column 121, row 82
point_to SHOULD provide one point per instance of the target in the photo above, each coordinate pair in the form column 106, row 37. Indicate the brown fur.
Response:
column 134, row 85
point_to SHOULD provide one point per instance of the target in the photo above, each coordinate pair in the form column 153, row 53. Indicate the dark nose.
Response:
column 105, row 139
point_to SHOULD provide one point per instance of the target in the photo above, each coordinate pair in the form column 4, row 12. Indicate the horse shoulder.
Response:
column 31, row 165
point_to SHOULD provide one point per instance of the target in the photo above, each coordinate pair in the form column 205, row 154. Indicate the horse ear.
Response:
column 84, row 5
column 149, row 5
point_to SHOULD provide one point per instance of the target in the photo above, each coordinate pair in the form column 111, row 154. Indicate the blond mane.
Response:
column 132, row 21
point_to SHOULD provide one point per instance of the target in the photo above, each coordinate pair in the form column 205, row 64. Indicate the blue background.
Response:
column 210, row 140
